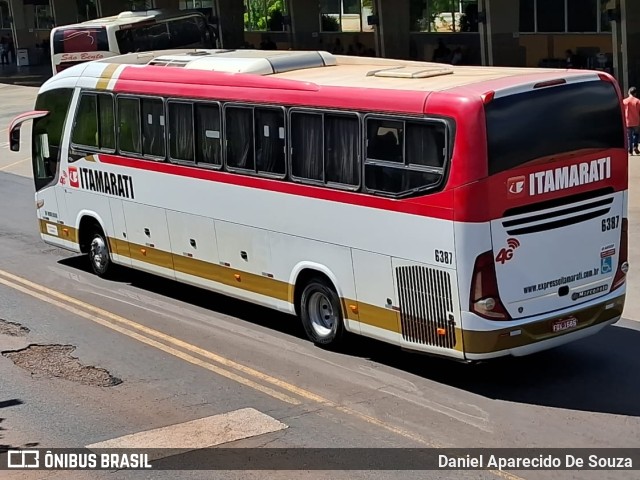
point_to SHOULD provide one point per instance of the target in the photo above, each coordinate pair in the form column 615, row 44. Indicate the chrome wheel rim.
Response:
column 99, row 253
column 321, row 313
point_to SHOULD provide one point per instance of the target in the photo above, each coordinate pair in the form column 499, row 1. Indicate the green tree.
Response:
column 259, row 12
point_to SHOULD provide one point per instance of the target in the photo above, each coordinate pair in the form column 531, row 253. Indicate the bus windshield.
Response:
column 551, row 121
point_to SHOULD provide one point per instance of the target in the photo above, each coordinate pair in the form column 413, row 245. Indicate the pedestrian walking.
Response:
column 4, row 51
column 632, row 118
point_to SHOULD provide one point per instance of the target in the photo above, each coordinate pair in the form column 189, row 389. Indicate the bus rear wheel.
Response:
column 321, row 313
column 99, row 257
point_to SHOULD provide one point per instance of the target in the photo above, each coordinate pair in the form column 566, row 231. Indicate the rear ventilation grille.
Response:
column 558, row 218
column 426, row 306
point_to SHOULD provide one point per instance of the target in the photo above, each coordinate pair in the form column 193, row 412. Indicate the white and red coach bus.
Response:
column 129, row 32
column 470, row 212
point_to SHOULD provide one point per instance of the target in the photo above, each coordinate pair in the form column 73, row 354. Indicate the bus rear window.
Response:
column 72, row 40
column 552, row 121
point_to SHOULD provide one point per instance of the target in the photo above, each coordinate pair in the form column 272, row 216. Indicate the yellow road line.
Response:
column 306, row 394
column 14, row 163
column 155, row 344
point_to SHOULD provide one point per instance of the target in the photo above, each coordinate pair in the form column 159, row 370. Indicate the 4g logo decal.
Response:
column 506, row 254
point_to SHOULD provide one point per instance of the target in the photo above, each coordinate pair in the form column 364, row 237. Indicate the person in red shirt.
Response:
column 632, row 117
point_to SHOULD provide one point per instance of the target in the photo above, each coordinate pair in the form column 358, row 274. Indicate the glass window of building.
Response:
column 444, row 16
column 345, row 15
column 264, row 15
column 564, row 16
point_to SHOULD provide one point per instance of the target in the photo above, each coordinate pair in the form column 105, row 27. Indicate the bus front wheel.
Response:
column 99, row 254
column 321, row 313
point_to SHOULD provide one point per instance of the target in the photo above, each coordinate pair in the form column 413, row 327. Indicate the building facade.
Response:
column 595, row 34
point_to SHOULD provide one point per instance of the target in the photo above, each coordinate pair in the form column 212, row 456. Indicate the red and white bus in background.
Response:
column 470, row 212
column 129, row 32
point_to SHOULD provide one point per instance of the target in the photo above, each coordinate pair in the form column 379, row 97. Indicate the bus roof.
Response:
column 308, row 70
column 129, row 18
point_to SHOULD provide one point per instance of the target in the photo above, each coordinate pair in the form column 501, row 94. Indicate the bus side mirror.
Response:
column 14, row 139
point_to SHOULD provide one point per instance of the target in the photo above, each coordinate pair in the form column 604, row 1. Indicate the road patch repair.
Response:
column 12, row 329
column 196, row 434
column 56, row 361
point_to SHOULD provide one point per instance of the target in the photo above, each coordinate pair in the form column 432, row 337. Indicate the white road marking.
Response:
column 197, row 434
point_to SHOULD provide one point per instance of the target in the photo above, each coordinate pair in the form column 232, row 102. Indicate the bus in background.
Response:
column 130, row 32
column 469, row 212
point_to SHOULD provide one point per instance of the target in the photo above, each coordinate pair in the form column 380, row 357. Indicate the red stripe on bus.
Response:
column 437, row 205
column 175, row 82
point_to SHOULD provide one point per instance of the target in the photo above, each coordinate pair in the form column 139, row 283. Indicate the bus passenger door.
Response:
column 148, row 235
column 194, row 246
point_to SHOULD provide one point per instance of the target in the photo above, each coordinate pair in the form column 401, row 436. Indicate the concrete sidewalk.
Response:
column 31, row 76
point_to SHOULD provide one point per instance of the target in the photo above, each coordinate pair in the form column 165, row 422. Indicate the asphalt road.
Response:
column 183, row 354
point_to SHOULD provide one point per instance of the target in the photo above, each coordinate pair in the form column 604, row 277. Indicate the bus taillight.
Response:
column 485, row 299
column 623, row 261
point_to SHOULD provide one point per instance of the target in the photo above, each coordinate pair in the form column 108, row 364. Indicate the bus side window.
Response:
column 307, row 159
column 239, row 138
column 270, row 138
column 181, row 138
column 94, row 123
column 153, row 134
column 404, row 155
column 129, row 125
column 208, row 134
column 325, row 148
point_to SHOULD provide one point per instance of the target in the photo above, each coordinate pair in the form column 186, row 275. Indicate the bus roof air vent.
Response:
column 257, row 62
column 411, row 72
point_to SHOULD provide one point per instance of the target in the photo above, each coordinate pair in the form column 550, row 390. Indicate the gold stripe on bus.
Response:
column 64, row 232
column 106, row 75
column 469, row 341
column 199, row 268
column 505, row 339
column 375, row 316
column 234, row 278
column 154, row 256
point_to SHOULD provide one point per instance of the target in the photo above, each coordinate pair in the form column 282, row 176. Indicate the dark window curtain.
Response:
column 181, row 131
column 341, row 149
column 85, row 131
column 129, row 125
column 425, row 145
column 384, row 140
column 107, row 122
column 306, row 143
column 270, row 154
column 153, row 128
column 239, row 135
column 208, row 134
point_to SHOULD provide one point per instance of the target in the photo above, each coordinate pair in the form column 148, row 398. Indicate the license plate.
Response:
column 564, row 324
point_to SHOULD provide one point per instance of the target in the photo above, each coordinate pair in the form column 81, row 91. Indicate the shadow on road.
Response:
column 11, row 403
column 5, row 447
column 596, row 374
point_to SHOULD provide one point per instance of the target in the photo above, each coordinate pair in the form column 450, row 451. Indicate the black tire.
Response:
column 99, row 255
column 321, row 313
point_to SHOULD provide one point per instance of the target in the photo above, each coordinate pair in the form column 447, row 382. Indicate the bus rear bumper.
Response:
column 533, row 337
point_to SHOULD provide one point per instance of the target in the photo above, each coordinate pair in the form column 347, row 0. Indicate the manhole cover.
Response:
column 57, row 361
column 13, row 329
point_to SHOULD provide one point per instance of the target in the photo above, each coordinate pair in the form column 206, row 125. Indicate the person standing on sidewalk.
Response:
column 632, row 118
column 4, row 51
